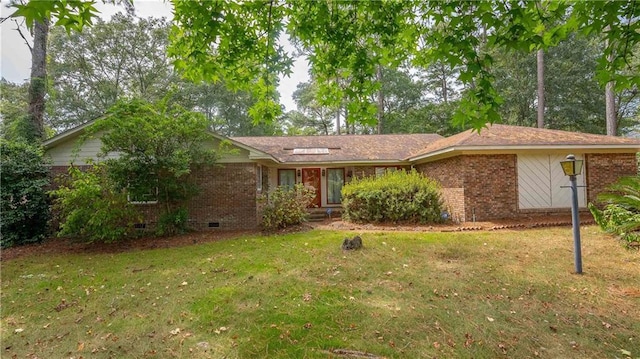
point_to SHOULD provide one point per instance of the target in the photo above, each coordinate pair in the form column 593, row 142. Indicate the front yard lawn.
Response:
column 405, row 295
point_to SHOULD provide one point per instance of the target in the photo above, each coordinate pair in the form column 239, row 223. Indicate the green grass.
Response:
column 463, row 295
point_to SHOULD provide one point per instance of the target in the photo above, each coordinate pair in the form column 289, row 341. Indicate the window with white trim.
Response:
column 335, row 181
column 143, row 191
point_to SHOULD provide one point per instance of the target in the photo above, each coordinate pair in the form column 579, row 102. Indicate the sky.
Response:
column 15, row 59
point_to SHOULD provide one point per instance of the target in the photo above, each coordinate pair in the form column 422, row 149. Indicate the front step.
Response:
column 322, row 214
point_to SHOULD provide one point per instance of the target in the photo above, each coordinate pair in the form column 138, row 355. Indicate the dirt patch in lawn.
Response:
column 65, row 245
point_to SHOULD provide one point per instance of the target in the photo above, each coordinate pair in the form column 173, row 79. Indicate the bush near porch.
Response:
column 397, row 196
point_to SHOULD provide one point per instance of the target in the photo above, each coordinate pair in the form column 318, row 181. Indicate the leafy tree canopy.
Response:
column 237, row 42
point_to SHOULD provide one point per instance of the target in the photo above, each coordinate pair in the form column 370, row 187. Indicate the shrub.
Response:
column 621, row 214
column 396, row 196
column 24, row 204
column 286, row 207
column 173, row 222
column 92, row 209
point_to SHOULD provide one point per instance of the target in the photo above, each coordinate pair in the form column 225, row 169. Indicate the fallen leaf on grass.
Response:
column 468, row 340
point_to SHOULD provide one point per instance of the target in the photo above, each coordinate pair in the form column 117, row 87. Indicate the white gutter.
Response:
column 450, row 150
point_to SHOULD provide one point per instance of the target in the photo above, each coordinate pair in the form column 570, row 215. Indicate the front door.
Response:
column 311, row 180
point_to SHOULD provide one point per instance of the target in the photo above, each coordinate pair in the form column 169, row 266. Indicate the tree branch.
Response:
column 266, row 55
column 626, row 43
column 22, row 36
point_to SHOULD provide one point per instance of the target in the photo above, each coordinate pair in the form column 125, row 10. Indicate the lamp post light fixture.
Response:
column 572, row 168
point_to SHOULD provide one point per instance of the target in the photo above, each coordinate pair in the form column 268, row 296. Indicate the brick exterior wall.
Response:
column 446, row 172
column 490, row 186
column 453, row 199
column 489, row 183
column 483, row 187
column 605, row 168
column 228, row 197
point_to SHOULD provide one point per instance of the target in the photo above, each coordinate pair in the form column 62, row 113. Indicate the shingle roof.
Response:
column 517, row 136
column 349, row 148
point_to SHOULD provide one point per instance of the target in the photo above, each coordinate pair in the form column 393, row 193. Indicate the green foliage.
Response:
column 174, row 222
column 621, row 215
column 92, row 208
column 236, row 43
column 158, row 146
column 72, row 15
column 13, row 107
column 128, row 58
column 347, row 41
column 23, row 202
column 395, row 196
column 286, row 207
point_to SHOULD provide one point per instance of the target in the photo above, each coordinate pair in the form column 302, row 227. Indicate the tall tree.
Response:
column 573, row 99
column 38, row 16
column 126, row 57
column 93, row 69
column 38, row 79
column 540, row 78
column 318, row 115
column 610, row 104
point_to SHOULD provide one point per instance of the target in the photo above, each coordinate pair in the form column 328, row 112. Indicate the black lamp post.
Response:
column 572, row 168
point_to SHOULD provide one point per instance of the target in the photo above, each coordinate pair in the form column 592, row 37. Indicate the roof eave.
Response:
column 347, row 162
column 71, row 133
column 450, row 151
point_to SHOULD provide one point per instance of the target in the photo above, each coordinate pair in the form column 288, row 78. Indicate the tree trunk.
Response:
column 338, row 121
column 610, row 106
column 540, row 65
column 380, row 99
column 610, row 101
column 38, row 83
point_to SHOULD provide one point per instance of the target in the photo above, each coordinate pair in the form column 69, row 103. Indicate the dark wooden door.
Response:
column 311, row 179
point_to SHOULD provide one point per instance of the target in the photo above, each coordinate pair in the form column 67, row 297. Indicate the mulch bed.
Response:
column 65, row 245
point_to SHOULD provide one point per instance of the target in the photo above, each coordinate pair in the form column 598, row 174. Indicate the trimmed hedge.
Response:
column 397, row 196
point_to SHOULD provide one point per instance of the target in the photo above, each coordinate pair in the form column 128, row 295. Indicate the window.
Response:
column 259, row 178
column 335, row 181
column 287, row 178
column 143, row 191
column 382, row 170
